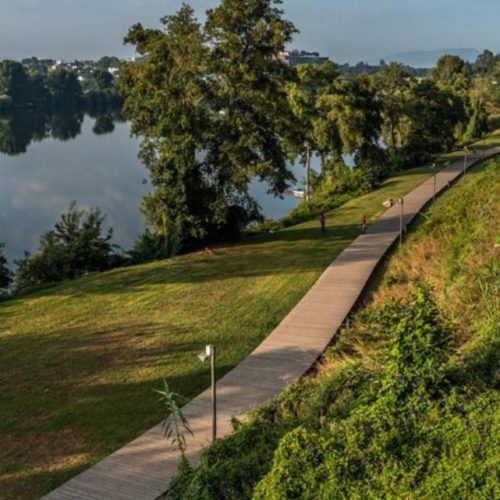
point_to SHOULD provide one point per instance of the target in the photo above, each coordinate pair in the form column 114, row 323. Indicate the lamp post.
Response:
column 401, row 217
column 209, row 353
column 466, row 151
column 434, row 176
column 308, row 173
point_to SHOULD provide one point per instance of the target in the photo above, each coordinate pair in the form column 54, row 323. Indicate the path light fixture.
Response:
column 401, row 220
column 466, row 151
column 434, row 176
column 209, row 353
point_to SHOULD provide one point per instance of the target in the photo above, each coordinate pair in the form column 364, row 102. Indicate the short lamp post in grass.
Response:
column 209, row 353
column 434, row 179
column 466, row 152
column 401, row 220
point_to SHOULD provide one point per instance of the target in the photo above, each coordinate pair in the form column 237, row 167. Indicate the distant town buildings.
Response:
column 296, row 57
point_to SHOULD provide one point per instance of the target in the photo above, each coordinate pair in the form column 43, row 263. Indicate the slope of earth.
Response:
column 406, row 403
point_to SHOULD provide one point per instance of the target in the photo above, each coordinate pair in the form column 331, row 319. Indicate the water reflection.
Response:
column 46, row 161
column 19, row 129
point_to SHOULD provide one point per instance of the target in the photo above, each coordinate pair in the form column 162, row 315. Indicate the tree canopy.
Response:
column 76, row 246
column 207, row 103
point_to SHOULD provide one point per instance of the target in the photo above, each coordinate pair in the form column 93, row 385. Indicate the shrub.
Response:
column 408, row 438
column 5, row 274
column 298, row 468
column 76, row 246
column 229, row 469
column 148, row 247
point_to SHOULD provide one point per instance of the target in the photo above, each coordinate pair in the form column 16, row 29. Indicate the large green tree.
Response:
column 65, row 89
column 167, row 105
column 101, row 79
column 312, row 131
column 14, row 82
column 332, row 117
column 419, row 117
column 485, row 63
column 247, row 89
column 452, row 73
column 433, row 115
column 353, row 111
column 393, row 86
column 210, row 106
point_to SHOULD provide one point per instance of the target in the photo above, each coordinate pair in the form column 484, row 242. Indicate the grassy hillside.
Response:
column 78, row 362
column 406, row 403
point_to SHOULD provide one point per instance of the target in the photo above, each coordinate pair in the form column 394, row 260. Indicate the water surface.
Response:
column 48, row 161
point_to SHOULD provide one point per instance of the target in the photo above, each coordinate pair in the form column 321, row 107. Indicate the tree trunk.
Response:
column 308, row 173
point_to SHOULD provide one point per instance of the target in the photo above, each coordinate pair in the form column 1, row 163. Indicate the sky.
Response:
column 344, row 30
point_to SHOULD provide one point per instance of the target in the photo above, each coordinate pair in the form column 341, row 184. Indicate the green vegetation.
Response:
column 57, row 90
column 209, row 104
column 75, row 247
column 5, row 274
column 405, row 404
column 216, row 107
column 79, row 361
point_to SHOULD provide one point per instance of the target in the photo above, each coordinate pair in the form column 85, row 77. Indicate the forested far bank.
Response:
column 29, row 87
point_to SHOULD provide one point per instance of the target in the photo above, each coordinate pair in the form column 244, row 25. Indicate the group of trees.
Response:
column 211, row 106
column 56, row 90
column 216, row 107
column 77, row 245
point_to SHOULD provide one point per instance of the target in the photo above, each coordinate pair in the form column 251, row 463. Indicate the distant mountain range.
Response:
column 428, row 58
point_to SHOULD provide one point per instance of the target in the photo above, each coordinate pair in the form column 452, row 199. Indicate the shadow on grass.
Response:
column 294, row 250
column 111, row 414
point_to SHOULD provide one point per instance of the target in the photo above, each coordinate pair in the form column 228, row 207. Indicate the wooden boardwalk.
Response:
column 142, row 469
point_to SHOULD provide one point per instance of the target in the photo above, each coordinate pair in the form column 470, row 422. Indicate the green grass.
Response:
column 78, row 362
column 490, row 141
column 349, row 430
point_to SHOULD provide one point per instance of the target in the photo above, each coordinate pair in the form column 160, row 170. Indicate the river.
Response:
column 48, row 161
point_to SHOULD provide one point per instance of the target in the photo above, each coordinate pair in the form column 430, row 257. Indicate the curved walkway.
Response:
column 142, row 469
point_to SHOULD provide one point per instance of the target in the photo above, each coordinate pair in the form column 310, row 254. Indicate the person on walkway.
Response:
column 322, row 220
column 364, row 225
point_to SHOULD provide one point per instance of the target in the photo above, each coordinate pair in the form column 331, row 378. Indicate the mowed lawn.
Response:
column 79, row 361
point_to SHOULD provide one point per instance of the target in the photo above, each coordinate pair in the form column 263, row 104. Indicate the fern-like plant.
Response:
column 175, row 424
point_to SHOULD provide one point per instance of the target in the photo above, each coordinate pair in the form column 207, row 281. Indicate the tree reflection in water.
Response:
column 18, row 129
